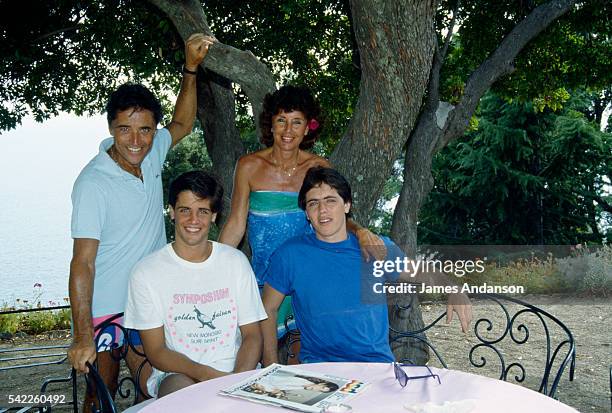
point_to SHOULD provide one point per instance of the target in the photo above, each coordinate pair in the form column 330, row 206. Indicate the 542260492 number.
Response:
column 36, row 398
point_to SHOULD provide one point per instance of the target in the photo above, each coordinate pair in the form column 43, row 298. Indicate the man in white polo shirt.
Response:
column 117, row 215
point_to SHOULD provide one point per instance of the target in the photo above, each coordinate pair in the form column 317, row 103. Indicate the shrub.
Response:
column 33, row 322
column 589, row 272
column 9, row 323
column 38, row 322
column 538, row 276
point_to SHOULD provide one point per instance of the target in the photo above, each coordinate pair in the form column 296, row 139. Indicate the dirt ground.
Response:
column 588, row 319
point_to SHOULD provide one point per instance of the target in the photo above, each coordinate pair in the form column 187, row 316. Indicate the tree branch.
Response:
column 54, row 32
column 449, row 35
column 499, row 63
column 603, row 204
column 433, row 85
column 78, row 20
column 239, row 66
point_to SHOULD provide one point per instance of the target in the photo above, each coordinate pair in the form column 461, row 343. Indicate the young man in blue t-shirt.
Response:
column 328, row 280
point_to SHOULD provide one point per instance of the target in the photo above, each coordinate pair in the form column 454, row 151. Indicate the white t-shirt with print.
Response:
column 200, row 305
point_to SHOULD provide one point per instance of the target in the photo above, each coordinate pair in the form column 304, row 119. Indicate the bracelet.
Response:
column 189, row 72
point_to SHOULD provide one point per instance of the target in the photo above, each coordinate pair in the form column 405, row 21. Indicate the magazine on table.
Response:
column 296, row 389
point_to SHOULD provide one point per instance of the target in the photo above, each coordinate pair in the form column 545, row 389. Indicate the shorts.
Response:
column 112, row 336
column 154, row 381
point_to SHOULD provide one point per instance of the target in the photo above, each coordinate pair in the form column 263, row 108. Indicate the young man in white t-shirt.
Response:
column 195, row 302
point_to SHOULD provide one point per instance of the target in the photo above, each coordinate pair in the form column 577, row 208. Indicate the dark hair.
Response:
column 286, row 99
column 318, row 175
column 316, row 380
column 133, row 95
column 202, row 184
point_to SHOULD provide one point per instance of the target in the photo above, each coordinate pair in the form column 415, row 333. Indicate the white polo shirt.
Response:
column 124, row 213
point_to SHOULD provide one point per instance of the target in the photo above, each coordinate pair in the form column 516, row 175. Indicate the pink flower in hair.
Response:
column 313, row 125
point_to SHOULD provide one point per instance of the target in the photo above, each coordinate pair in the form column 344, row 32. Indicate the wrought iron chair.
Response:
column 56, row 359
column 105, row 399
column 515, row 329
column 289, row 344
column 44, row 357
column 34, row 357
column 126, row 384
column 70, row 379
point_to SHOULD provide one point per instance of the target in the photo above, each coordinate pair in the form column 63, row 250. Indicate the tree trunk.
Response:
column 396, row 43
column 405, row 315
column 440, row 123
column 216, row 112
column 418, row 182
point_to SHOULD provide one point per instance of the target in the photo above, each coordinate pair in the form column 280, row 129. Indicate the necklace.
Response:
column 112, row 153
column 285, row 171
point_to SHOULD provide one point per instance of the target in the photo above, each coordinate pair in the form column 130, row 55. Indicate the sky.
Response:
column 38, row 164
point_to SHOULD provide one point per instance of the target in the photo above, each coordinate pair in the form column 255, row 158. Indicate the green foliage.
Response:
column 38, row 322
column 523, row 177
column 9, row 323
column 537, row 276
column 65, row 55
column 35, row 322
column 554, row 101
column 189, row 154
column 573, row 52
column 586, row 272
column 68, row 56
column 305, row 43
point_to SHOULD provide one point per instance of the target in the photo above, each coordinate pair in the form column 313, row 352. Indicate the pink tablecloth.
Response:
column 383, row 395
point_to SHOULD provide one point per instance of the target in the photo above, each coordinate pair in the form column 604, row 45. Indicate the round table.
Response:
column 384, row 394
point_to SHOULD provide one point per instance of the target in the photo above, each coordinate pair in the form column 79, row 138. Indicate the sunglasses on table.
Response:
column 403, row 378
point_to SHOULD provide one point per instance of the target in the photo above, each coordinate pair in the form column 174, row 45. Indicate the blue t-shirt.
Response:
column 325, row 281
column 122, row 212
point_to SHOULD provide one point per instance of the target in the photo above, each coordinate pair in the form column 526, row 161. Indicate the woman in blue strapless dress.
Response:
column 266, row 182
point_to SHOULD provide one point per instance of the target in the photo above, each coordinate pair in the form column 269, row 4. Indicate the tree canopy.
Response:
column 392, row 82
column 523, row 177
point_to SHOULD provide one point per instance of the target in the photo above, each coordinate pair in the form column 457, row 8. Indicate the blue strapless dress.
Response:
column 274, row 217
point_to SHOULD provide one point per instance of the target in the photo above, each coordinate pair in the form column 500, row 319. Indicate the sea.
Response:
column 38, row 165
column 35, row 249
